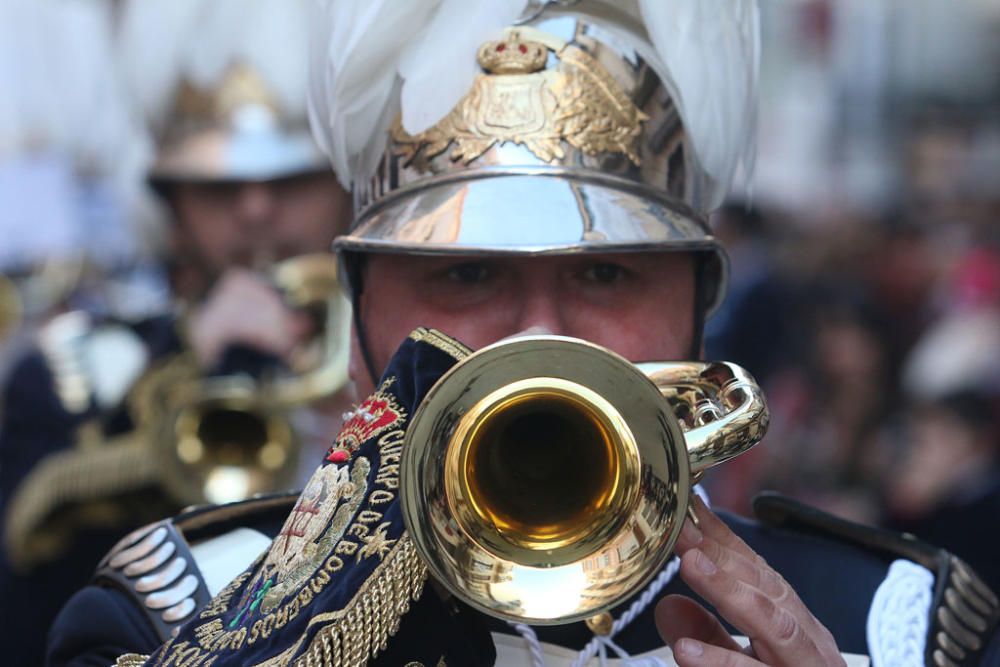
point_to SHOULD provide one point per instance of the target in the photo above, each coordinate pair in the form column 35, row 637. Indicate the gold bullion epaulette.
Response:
column 170, row 569
column 964, row 612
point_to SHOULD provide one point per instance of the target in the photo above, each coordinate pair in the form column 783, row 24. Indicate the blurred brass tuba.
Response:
column 545, row 479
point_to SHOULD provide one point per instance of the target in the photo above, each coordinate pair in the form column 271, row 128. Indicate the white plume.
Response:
column 163, row 42
column 439, row 68
column 64, row 111
column 711, row 50
column 366, row 56
column 60, row 92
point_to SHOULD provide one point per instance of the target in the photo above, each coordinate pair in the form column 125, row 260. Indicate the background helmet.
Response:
column 222, row 85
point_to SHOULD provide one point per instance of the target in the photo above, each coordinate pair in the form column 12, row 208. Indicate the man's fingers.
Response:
column 715, row 528
column 693, row 653
column 750, row 570
column 782, row 631
column 678, row 617
column 245, row 309
column 748, row 593
column 690, row 537
column 730, row 553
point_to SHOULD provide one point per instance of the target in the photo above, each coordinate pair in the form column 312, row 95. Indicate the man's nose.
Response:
column 543, row 310
column 255, row 205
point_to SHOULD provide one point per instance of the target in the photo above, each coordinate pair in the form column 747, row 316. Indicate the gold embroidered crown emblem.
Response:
column 512, row 56
column 520, row 99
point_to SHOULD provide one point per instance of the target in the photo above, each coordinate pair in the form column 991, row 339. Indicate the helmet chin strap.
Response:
column 701, row 296
column 355, row 280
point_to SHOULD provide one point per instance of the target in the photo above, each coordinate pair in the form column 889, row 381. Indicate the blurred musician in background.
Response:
column 258, row 327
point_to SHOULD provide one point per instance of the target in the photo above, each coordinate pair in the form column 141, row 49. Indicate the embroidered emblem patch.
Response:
column 378, row 413
column 316, row 524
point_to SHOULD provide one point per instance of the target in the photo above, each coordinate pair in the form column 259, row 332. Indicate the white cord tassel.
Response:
column 599, row 644
column 526, row 631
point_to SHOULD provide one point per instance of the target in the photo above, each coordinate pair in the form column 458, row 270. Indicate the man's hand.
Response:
column 244, row 309
column 755, row 599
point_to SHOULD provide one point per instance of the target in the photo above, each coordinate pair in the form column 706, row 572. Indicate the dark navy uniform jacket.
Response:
column 837, row 568
column 37, row 423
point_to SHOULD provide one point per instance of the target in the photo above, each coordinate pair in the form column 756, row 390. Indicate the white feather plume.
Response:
column 368, row 56
column 711, row 50
column 64, row 109
column 60, row 90
column 439, row 68
column 163, row 42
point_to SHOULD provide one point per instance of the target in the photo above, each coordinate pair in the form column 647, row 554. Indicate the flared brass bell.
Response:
column 545, row 479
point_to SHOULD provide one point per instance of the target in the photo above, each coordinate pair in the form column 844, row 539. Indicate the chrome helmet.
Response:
column 538, row 127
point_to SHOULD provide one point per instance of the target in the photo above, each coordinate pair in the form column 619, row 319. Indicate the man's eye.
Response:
column 469, row 273
column 604, row 273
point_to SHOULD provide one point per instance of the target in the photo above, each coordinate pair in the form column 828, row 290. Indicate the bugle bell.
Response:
column 545, row 479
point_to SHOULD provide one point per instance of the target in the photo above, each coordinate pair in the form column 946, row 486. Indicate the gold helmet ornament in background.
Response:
column 222, row 87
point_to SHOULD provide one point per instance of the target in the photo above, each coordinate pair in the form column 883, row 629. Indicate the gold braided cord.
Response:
column 446, row 344
column 95, row 470
column 352, row 636
column 72, row 477
column 131, row 660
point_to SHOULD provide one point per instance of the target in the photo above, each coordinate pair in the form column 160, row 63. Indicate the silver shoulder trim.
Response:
column 156, row 568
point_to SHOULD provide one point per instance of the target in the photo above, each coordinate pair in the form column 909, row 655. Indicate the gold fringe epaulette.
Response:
column 131, row 660
column 354, row 635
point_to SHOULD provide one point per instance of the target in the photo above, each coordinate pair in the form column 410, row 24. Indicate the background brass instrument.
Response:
column 311, row 283
column 546, row 479
column 222, row 439
column 195, row 440
column 10, row 307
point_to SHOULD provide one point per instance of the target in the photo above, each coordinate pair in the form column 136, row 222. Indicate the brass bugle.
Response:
column 311, row 282
column 545, row 479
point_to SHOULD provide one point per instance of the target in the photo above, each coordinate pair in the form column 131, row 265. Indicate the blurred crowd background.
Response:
column 865, row 291
column 866, row 268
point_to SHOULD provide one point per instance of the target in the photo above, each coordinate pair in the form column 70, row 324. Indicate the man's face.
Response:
column 641, row 305
column 239, row 224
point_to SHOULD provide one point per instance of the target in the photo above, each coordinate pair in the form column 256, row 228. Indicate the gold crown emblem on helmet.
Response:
column 512, row 56
column 520, row 99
